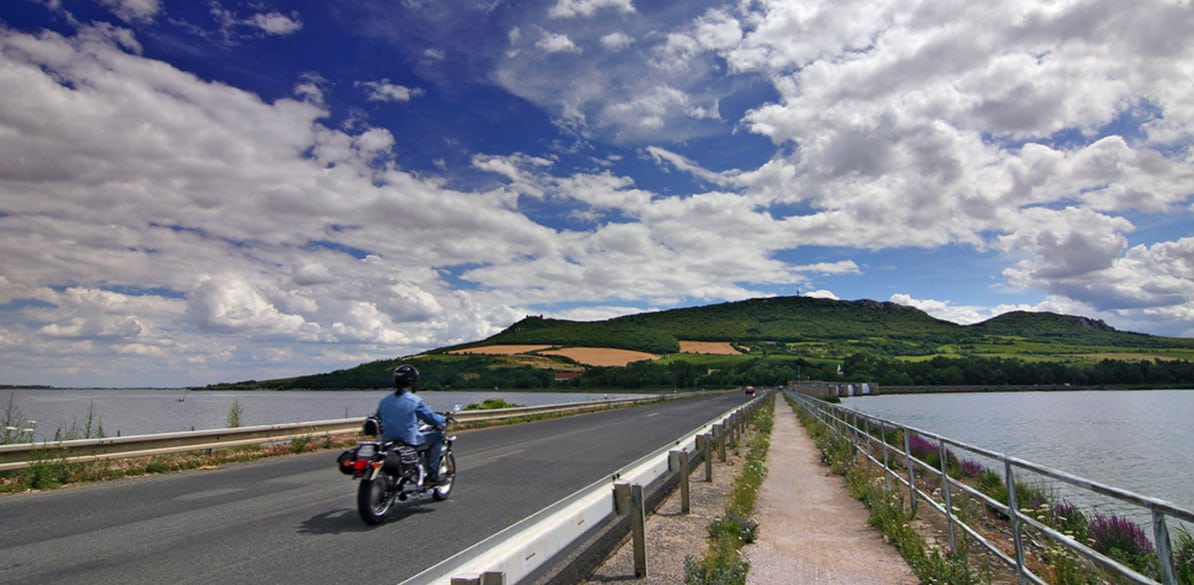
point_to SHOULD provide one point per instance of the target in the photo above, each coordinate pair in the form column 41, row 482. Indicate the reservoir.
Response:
column 1141, row 441
column 145, row 411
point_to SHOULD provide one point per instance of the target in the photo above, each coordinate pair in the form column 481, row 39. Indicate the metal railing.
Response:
column 22, row 455
column 870, row 437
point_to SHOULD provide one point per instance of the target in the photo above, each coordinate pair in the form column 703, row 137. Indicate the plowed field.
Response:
column 710, row 347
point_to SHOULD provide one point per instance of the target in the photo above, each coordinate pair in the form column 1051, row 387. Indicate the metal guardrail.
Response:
column 21, row 455
column 521, row 552
column 859, row 429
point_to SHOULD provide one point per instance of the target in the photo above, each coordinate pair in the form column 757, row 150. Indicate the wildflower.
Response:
column 11, row 429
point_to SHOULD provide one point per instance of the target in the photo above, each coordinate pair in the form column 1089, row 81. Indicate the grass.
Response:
column 491, row 404
column 51, row 470
column 722, row 563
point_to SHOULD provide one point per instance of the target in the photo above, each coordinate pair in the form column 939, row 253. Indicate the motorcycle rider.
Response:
column 400, row 413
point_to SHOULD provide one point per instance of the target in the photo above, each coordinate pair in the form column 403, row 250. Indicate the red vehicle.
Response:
column 750, row 390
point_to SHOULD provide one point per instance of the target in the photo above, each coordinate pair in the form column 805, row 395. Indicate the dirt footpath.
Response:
column 810, row 530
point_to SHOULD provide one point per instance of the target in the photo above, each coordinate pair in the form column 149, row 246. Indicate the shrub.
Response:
column 1069, row 520
column 734, row 526
column 970, row 468
column 714, row 571
column 1124, row 541
column 925, row 450
column 1183, row 557
column 49, row 469
column 491, row 404
column 991, row 483
column 234, row 414
column 298, row 444
column 14, row 427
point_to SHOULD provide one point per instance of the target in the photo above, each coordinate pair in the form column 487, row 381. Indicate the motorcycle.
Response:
column 394, row 471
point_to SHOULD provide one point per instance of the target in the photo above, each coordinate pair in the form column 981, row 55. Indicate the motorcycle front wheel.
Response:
column 373, row 501
column 447, row 470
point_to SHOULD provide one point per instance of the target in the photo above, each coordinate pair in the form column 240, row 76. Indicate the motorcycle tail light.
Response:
column 360, row 464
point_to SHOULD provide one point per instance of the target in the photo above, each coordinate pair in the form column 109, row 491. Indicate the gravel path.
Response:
column 810, row 530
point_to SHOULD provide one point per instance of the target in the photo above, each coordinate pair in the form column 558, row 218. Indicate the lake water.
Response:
column 1141, row 441
column 143, row 411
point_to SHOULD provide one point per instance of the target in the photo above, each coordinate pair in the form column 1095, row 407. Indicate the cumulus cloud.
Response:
column 962, row 314
column 586, row 8
column 557, row 43
column 384, row 91
column 134, row 10
column 146, row 210
column 276, row 23
column 616, row 41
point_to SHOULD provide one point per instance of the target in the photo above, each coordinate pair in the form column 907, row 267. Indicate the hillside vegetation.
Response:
column 786, row 338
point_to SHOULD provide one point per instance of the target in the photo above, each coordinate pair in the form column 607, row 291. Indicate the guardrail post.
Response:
column 705, row 445
column 621, row 499
column 719, row 434
column 949, row 506
column 678, row 461
column 886, row 457
column 638, row 530
column 1164, row 557
column 911, row 472
column 1013, row 514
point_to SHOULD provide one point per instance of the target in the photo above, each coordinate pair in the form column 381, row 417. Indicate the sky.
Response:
column 204, row 191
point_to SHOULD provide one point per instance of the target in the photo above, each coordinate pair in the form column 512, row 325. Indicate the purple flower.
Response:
column 1113, row 532
column 920, row 446
column 971, row 468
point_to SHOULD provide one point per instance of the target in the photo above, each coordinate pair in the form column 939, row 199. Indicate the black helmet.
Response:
column 405, row 376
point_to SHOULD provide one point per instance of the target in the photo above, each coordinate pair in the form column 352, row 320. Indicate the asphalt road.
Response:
column 293, row 519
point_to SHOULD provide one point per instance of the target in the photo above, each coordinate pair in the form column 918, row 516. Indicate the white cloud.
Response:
column 276, row 23
column 384, row 91
column 557, row 43
column 587, row 8
column 134, row 10
column 616, row 41
column 960, row 314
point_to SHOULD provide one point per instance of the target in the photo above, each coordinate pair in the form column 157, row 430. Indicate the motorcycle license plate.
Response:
column 366, row 450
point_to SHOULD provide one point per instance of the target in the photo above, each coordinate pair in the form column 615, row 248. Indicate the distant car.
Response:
column 750, row 390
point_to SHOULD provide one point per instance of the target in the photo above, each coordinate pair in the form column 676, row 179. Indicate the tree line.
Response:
column 480, row 373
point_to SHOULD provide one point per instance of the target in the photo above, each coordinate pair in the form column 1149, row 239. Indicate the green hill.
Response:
column 793, row 337
column 774, row 320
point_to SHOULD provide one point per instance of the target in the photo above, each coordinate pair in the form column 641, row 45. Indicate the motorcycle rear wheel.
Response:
column 447, row 471
column 373, row 501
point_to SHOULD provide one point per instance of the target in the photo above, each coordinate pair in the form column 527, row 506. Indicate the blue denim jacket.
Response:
column 400, row 415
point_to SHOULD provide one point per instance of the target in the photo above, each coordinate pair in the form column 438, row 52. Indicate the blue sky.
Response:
column 195, row 192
